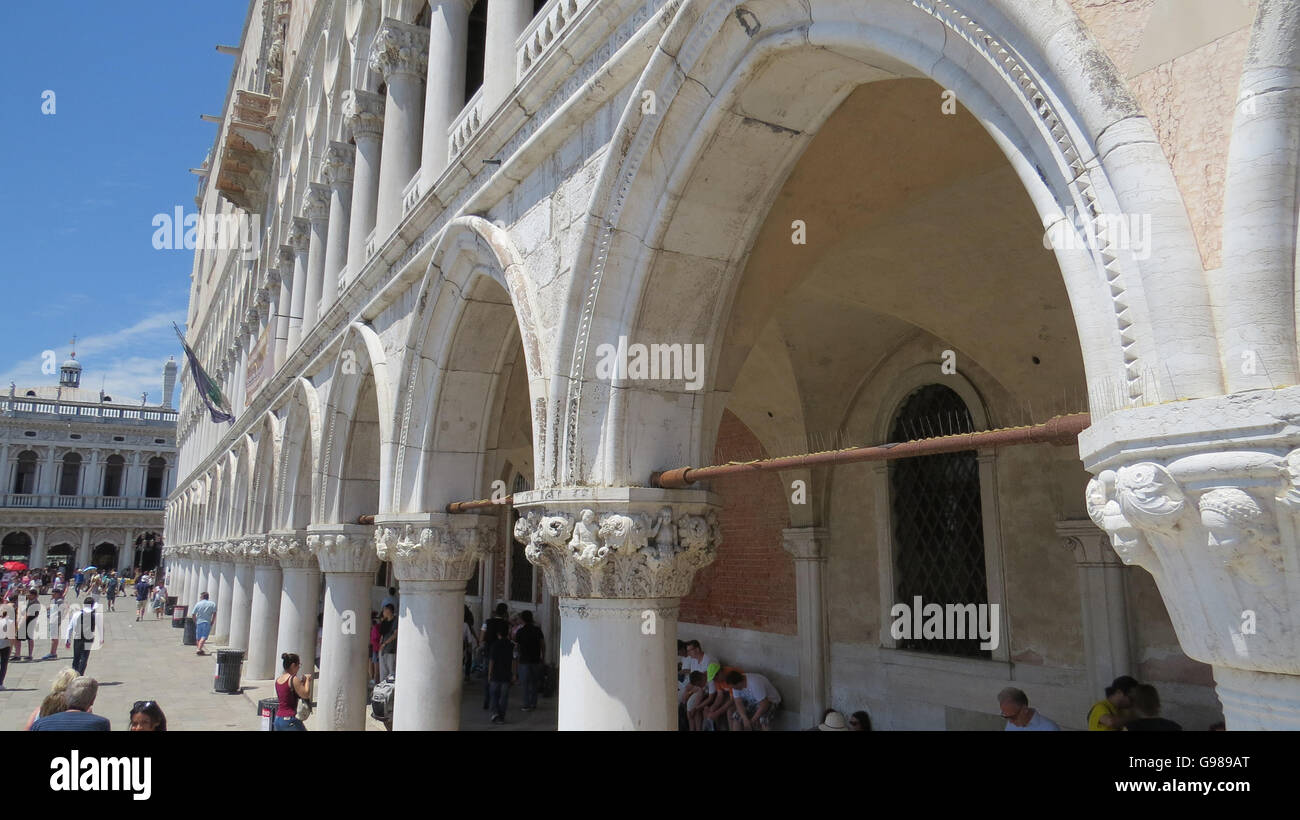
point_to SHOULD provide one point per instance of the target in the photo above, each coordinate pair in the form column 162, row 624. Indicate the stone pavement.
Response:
column 146, row 661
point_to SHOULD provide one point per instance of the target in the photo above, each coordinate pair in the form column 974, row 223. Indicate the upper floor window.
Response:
column 936, row 517
column 70, row 478
column 476, row 50
column 155, row 477
column 114, row 466
column 25, row 473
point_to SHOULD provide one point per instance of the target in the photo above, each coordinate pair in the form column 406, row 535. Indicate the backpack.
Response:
column 381, row 699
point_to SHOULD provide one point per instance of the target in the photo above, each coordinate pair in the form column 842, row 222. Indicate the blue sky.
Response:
column 79, row 188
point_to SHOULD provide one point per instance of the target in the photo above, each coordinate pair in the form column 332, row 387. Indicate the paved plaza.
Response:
column 146, row 661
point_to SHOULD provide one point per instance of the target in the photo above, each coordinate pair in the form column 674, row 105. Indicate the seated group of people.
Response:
column 1128, row 706
column 712, row 696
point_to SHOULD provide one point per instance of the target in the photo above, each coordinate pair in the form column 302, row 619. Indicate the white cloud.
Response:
column 123, row 360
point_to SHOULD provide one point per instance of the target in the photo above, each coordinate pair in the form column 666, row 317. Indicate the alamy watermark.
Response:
column 678, row 362
column 102, row 774
column 212, row 232
column 960, row 622
column 1127, row 232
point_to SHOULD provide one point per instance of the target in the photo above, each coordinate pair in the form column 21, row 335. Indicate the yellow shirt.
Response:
column 1101, row 707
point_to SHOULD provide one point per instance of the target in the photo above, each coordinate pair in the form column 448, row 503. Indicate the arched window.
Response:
column 936, row 517
column 17, row 546
column 153, row 481
column 25, row 473
column 113, row 469
column 70, row 479
column 476, row 50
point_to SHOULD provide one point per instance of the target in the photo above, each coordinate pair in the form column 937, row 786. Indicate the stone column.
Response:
column 364, row 113
column 506, row 20
column 444, row 94
column 433, row 556
column 83, row 554
column 1104, row 601
column 316, row 207
column 336, row 170
column 1205, row 495
column 264, row 620
column 808, row 546
column 281, row 278
column 296, row 249
column 400, row 52
column 347, row 557
column 214, row 579
column 225, row 597
column 37, row 558
column 241, row 595
column 620, row 559
column 299, row 598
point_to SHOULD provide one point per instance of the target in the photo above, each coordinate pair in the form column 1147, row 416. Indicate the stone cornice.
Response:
column 1090, row 545
column 435, row 547
column 806, row 543
column 620, row 542
column 400, row 48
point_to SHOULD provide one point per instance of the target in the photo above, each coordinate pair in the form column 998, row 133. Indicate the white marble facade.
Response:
column 611, row 178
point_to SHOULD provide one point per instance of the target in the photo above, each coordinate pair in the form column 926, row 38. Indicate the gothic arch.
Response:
column 300, row 441
column 361, row 364
column 454, row 306
column 262, row 509
column 242, row 486
column 1042, row 89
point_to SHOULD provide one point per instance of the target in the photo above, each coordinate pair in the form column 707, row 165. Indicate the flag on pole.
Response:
column 207, row 388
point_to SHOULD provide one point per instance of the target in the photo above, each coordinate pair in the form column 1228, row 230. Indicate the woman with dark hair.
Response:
column 146, row 716
column 290, row 687
column 860, row 722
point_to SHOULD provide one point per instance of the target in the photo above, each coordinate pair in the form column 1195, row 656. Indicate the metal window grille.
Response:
column 937, row 522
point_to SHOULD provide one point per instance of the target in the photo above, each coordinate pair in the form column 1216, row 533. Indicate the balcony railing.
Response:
column 411, row 193
column 370, row 243
column 80, row 502
column 86, row 411
column 544, row 30
column 465, row 126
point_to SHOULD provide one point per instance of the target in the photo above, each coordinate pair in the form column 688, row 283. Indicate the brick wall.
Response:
column 751, row 583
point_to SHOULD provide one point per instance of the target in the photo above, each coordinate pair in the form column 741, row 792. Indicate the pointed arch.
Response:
column 454, row 359
column 262, row 509
column 299, row 457
column 361, row 368
column 677, row 200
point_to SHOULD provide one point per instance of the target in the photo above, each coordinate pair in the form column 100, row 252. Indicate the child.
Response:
column 159, row 599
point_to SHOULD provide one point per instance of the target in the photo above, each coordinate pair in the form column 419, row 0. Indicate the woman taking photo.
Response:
column 290, row 687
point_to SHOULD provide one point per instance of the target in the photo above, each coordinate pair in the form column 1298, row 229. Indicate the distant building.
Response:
column 85, row 474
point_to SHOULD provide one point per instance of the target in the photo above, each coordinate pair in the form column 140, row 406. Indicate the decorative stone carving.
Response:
column 434, row 553
column 364, row 112
column 611, row 554
column 259, row 552
column 337, row 164
column 400, row 48
column 290, row 549
column 342, row 551
column 299, row 235
column 316, row 203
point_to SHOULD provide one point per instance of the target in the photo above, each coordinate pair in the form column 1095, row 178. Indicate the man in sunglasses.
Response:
column 1020, row 718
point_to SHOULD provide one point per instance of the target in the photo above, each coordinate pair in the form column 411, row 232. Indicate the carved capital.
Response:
column 316, row 202
column 337, row 164
column 289, row 547
column 627, row 543
column 259, row 551
column 1206, row 527
column 806, row 543
column 437, row 547
column 1090, row 545
column 364, row 112
column 345, row 548
column 299, row 235
column 400, row 48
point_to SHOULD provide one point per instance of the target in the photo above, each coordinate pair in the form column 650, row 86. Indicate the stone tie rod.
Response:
column 1060, row 430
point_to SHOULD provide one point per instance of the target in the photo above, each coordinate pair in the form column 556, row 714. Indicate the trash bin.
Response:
column 229, row 664
column 169, row 604
column 266, row 711
column 190, row 637
column 178, row 616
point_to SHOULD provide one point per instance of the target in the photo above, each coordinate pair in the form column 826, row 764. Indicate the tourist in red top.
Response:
column 289, row 687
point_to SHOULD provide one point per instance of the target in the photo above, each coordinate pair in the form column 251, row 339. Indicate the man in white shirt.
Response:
column 83, row 634
column 1020, row 718
column 755, row 700
column 696, row 660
